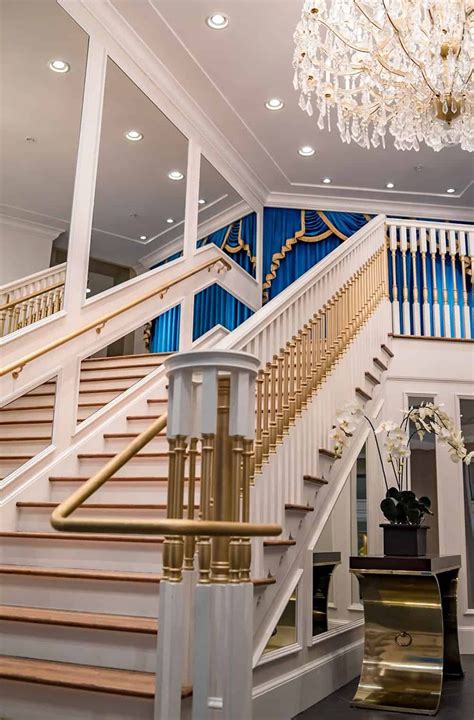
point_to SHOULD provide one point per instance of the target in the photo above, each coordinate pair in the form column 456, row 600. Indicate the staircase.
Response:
column 79, row 609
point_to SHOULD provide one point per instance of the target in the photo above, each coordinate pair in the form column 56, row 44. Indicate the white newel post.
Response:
column 211, row 400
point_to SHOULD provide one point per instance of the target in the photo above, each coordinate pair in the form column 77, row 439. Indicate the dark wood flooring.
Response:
column 457, row 702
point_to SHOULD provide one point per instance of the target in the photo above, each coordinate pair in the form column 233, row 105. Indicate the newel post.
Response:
column 211, row 427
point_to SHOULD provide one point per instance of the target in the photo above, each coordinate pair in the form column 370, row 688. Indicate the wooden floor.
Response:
column 457, row 702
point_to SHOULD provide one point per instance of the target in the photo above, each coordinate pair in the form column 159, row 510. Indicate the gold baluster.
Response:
column 286, row 387
column 304, row 361
column 298, row 397
column 259, row 423
column 246, row 547
column 273, row 423
column 207, row 474
column 266, row 412
column 279, row 413
column 190, row 540
column 222, row 508
column 235, row 561
column 292, row 380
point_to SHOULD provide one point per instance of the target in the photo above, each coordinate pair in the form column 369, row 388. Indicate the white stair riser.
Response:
column 23, row 701
column 158, row 444
column 39, row 519
column 114, row 492
column 120, row 361
column 19, row 414
column 9, row 466
column 85, row 646
column 25, row 447
column 89, row 554
column 102, row 371
column 136, row 426
column 33, row 401
column 17, row 431
column 82, row 595
column 105, row 384
column 136, row 466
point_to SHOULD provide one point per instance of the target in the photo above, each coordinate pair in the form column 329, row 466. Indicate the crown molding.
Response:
column 122, row 43
column 27, row 226
column 369, row 205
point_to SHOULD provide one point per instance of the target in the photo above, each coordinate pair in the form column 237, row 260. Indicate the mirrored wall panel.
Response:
column 225, row 219
column 43, row 55
column 467, row 427
column 284, row 633
column 141, row 185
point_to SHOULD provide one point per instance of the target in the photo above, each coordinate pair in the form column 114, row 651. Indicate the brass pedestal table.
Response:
column 411, row 639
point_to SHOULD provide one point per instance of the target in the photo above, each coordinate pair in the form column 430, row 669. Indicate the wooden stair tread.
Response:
column 27, row 407
column 129, row 435
column 365, row 395
column 88, row 456
column 157, row 400
column 79, row 573
column 143, row 417
column 24, row 438
column 262, row 582
column 97, row 621
column 96, row 537
column 25, row 422
column 294, row 507
column 121, row 367
column 327, row 453
column 16, row 457
column 100, row 506
column 372, row 379
column 103, row 358
column 387, row 350
column 380, row 364
column 315, row 480
column 106, row 378
column 132, row 479
column 279, row 543
column 81, row 677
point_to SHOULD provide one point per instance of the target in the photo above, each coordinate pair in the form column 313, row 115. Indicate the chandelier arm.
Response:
column 367, row 16
column 402, row 44
column 343, row 39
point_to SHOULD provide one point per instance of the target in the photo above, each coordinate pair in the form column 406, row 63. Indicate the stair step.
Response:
column 293, row 507
column 378, row 363
column 25, row 438
column 128, row 436
column 314, row 480
column 80, row 574
column 108, row 358
column 97, row 621
column 387, row 351
column 108, row 456
column 143, row 417
column 131, row 479
column 81, row 677
column 25, row 422
column 327, row 453
column 279, row 543
column 157, row 401
column 372, row 379
column 86, row 537
column 263, row 582
column 364, row 395
column 108, row 366
column 99, row 506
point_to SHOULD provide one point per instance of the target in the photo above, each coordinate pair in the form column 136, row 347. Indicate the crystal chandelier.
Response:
column 405, row 65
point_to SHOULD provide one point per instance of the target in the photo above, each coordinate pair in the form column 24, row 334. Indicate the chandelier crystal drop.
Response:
column 405, row 65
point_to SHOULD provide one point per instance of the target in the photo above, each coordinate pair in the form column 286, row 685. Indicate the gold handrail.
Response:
column 19, row 300
column 16, row 367
column 60, row 519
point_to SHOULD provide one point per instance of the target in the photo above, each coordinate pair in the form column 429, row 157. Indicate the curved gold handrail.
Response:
column 61, row 520
column 16, row 367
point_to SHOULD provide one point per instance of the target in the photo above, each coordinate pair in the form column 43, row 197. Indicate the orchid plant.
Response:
column 400, row 504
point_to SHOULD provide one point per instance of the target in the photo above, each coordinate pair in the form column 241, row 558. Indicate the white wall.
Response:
column 25, row 248
column 444, row 370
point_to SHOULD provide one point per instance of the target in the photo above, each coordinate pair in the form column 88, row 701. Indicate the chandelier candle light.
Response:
column 405, row 65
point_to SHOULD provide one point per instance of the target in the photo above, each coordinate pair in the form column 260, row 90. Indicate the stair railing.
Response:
column 431, row 278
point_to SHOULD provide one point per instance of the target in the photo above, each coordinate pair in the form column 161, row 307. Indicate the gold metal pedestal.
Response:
column 411, row 641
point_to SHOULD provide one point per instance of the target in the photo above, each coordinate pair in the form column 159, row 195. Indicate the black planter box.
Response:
column 407, row 540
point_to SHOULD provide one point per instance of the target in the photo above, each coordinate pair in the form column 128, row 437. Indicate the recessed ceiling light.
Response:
column 451, row 190
column 390, row 185
column 142, row 237
column 327, row 181
column 201, row 201
column 175, row 175
column 134, row 135
column 170, row 220
column 306, row 151
column 88, row 290
column 59, row 66
column 217, row 21
column 274, row 104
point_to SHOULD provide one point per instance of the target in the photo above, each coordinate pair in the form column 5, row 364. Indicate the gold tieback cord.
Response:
column 287, row 384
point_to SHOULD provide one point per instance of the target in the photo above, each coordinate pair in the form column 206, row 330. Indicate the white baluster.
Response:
column 416, row 301
column 465, row 304
column 446, row 312
column 436, row 308
column 395, row 302
column 457, row 309
column 426, row 305
column 406, row 330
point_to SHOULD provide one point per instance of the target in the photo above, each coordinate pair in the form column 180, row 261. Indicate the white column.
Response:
column 186, row 323
column 238, row 672
column 202, row 652
column 169, row 678
column 192, row 197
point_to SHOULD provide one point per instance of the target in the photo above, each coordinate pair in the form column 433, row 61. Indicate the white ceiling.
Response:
column 232, row 72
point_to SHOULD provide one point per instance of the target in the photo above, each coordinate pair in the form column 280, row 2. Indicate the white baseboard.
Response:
column 283, row 697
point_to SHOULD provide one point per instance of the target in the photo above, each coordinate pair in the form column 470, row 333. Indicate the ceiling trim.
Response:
column 39, row 229
column 148, row 71
column 383, row 192
column 369, row 205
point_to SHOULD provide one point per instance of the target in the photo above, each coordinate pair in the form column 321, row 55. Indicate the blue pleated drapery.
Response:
column 165, row 331
column 238, row 240
column 295, row 240
column 215, row 306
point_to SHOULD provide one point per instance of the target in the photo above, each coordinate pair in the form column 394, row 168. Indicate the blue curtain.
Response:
column 450, row 286
column 295, row 240
column 216, row 306
column 165, row 331
column 238, row 240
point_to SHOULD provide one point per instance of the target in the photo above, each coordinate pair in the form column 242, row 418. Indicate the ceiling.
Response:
column 232, row 72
